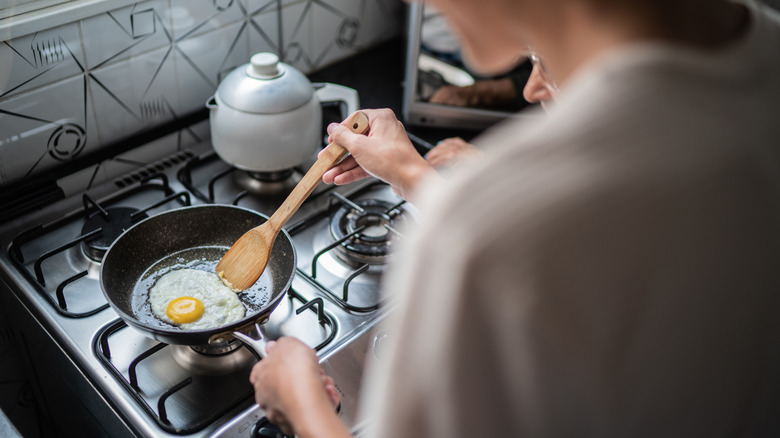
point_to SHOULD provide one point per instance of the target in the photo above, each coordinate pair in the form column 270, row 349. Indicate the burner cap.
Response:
column 277, row 176
column 372, row 244
column 267, row 183
column 113, row 223
column 213, row 360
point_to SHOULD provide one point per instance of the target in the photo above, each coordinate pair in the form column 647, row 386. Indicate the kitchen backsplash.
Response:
column 75, row 88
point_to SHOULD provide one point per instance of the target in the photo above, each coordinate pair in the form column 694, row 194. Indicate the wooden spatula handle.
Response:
column 333, row 153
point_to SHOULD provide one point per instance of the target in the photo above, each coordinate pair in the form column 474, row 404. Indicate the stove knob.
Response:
column 265, row 429
column 379, row 345
column 268, row 432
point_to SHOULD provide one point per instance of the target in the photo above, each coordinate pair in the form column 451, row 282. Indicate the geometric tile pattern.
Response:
column 76, row 88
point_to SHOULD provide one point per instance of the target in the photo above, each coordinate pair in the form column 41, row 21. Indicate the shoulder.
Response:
column 525, row 190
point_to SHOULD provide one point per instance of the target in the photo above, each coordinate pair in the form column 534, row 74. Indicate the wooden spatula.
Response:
column 245, row 261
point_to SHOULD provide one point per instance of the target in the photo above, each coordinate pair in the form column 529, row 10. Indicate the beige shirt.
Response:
column 612, row 270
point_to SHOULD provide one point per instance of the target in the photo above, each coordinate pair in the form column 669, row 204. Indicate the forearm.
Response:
column 495, row 93
column 320, row 422
column 409, row 177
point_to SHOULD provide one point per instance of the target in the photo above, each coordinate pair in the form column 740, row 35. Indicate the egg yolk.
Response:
column 183, row 310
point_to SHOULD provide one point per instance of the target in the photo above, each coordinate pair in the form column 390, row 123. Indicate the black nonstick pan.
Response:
column 196, row 238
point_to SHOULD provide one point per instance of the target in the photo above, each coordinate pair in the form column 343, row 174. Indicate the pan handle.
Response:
column 256, row 345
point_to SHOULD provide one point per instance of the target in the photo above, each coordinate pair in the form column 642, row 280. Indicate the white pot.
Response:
column 266, row 116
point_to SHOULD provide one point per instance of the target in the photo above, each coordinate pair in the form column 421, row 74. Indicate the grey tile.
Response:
column 337, row 28
column 297, row 35
column 36, row 60
column 44, row 128
column 126, row 32
column 380, row 20
column 191, row 18
column 254, row 7
column 135, row 94
column 202, row 61
column 134, row 160
column 264, row 29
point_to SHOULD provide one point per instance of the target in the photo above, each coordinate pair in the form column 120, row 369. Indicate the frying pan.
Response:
column 193, row 237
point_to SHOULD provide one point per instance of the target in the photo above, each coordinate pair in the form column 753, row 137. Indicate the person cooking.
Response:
column 609, row 270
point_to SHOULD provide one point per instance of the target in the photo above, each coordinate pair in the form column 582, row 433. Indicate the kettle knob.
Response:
column 264, row 65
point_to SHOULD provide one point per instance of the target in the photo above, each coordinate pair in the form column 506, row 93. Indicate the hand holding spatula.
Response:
column 245, row 261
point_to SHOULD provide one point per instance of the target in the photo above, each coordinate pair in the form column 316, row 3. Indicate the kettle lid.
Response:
column 265, row 86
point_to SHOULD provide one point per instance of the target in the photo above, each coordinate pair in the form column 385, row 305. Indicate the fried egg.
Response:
column 194, row 300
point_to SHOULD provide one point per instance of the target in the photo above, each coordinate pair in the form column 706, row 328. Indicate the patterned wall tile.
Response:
column 337, row 27
column 195, row 17
column 254, row 7
column 289, row 2
column 297, row 35
column 203, row 61
column 44, row 128
column 135, row 94
column 133, row 160
column 264, row 26
column 126, row 32
column 39, row 59
column 150, row 62
column 379, row 21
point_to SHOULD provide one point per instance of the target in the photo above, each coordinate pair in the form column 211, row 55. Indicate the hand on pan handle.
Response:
column 293, row 390
column 385, row 153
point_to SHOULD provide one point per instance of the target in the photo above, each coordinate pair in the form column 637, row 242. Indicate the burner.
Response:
column 213, row 359
column 277, row 176
column 267, row 183
column 114, row 221
column 374, row 223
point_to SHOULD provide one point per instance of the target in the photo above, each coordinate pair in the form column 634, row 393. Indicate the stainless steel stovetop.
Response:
column 334, row 305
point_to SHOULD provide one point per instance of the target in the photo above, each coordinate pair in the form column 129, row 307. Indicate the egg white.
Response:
column 221, row 304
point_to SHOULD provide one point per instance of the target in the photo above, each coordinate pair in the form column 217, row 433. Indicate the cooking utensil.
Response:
column 257, row 345
column 255, row 115
column 182, row 237
column 245, row 261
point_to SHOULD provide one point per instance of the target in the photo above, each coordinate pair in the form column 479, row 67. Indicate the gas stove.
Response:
column 133, row 385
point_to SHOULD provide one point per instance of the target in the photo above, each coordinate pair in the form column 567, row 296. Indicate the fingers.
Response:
column 348, row 170
column 379, row 121
column 379, row 115
column 350, row 176
column 451, row 152
column 454, row 140
column 347, row 165
column 451, row 95
column 334, row 395
column 289, row 381
column 280, row 420
column 345, row 138
column 385, row 153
